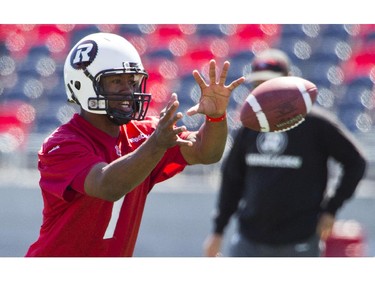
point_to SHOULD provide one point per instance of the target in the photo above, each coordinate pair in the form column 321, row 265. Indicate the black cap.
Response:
column 269, row 64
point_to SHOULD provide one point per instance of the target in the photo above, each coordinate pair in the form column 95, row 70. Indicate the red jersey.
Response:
column 75, row 224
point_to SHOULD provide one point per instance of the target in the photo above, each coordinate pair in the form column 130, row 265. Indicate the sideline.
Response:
column 187, row 182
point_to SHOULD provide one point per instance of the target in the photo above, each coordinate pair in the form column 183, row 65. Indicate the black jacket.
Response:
column 277, row 181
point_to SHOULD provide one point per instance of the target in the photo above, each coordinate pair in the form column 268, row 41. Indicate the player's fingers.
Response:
column 199, row 79
column 170, row 118
column 171, row 109
column 212, row 72
column 192, row 110
column 182, row 142
column 236, row 83
column 171, row 122
column 224, row 73
column 172, row 99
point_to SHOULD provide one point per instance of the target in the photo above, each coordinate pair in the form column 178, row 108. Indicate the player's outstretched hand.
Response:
column 215, row 95
column 166, row 133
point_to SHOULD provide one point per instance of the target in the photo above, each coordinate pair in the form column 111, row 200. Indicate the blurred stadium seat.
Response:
column 339, row 58
column 130, row 30
column 337, row 31
column 292, row 31
column 81, row 31
column 209, row 30
column 16, row 120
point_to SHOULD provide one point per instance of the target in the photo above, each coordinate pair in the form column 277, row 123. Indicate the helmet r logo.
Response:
column 84, row 54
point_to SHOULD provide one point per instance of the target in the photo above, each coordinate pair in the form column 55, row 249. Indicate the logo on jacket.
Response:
column 272, row 143
column 271, row 147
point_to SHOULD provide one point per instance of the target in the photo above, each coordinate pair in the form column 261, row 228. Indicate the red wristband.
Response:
column 218, row 119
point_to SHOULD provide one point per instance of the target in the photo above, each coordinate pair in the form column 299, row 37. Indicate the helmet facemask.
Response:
column 135, row 102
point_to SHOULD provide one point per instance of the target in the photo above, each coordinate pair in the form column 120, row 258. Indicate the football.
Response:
column 278, row 104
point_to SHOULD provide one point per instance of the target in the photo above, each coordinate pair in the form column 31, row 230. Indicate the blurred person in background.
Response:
column 97, row 169
column 276, row 183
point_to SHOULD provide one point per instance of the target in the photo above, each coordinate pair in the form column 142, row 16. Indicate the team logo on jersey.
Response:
column 84, row 54
column 138, row 138
column 272, row 143
column 118, row 150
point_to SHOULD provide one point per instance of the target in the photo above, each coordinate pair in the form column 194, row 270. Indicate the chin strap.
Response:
column 119, row 118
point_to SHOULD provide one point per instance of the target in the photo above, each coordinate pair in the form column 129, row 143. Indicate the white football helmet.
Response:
column 98, row 55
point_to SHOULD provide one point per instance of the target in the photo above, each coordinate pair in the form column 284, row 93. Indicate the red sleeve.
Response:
column 65, row 165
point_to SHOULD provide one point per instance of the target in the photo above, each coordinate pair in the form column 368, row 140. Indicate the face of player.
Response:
column 119, row 90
